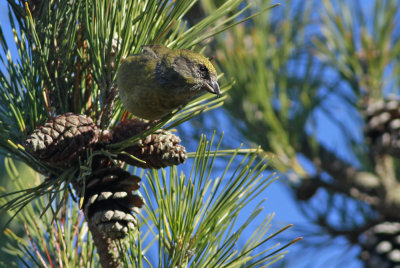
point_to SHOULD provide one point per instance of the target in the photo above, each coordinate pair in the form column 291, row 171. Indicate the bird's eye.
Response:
column 204, row 71
column 203, row 68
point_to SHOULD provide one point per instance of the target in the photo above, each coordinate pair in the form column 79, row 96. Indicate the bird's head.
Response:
column 198, row 70
column 185, row 69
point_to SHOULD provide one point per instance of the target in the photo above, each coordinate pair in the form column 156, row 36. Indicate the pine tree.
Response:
column 97, row 191
column 334, row 61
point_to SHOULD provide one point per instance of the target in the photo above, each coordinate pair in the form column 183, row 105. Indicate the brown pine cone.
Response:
column 381, row 245
column 109, row 201
column 382, row 129
column 63, row 140
column 158, row 150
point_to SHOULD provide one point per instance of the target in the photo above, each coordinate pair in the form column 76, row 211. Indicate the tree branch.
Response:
column 382, row 193
column 106, row 248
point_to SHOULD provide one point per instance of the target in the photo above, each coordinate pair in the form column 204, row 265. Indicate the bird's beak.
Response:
column 213, row 88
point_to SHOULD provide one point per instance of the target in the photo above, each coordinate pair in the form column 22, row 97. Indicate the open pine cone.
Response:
column 110, row 199
column 158, row 150
column 382, row 128
column 62, row 140
column 381, row 245
column 109, row 191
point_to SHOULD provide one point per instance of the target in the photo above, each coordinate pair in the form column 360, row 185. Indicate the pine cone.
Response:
column 382, row 128
column 109, row 201
column 158, row 150
column 63, row 140
column 381, row 245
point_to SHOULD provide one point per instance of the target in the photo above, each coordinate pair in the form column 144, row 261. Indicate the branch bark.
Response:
column 382, row 192
column 106, row 248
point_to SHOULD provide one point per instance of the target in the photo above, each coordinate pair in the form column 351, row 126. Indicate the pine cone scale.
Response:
column 63, row 140
column 159, row 149
column 109, row 201
column 382, row 130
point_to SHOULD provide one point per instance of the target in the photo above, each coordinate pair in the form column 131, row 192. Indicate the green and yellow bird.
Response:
column 154, row 83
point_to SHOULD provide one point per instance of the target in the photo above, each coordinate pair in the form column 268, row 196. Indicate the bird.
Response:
column 159, row 80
